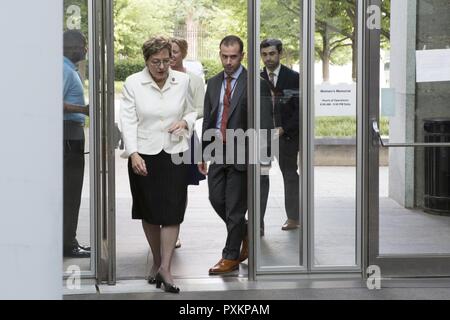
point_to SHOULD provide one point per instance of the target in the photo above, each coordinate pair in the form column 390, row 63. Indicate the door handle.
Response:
column 377, row 139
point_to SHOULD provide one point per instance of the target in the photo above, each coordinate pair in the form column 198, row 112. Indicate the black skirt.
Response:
column 160, row 197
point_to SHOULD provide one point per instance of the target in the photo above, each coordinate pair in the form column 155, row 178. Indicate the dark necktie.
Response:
column 272, row 81
column 272, row 92
column 272, row 78
column 226, row 108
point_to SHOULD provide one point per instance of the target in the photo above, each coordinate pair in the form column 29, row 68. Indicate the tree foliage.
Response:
column 335, row 38
column 136, row 20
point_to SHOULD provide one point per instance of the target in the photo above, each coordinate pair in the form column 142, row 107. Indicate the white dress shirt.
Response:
column 276, row 72
column 147, row 112
column 234, row 77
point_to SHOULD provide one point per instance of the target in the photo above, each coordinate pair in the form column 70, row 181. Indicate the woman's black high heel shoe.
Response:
column 151, row 280
column 168, row 287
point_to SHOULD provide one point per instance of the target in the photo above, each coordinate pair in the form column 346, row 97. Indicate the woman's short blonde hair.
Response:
column 182, row 44
column 154, row 45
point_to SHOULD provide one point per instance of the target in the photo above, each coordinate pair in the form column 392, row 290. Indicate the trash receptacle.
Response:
column 437, row 167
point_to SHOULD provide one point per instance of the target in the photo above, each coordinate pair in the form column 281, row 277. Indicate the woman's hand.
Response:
column 203, row 168
column 138, row 165
column 178, row 127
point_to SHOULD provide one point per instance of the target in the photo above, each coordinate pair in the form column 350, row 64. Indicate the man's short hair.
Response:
column 231, row 40
column 272, row 43
column 73, row 39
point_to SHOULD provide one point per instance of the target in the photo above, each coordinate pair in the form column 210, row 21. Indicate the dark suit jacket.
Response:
column 286, row 100
column 237, row 116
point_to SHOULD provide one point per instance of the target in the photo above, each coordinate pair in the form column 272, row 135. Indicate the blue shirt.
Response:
column 235, row 76
column 72, row 90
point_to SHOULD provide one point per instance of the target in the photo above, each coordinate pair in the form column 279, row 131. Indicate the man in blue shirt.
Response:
column 75, row 111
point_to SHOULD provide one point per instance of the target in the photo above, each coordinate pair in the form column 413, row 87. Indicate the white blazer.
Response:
column 147, row 112
column 197, row 86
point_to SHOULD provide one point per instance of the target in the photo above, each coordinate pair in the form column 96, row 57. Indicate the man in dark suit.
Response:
column 225, row 112
column 284, row 84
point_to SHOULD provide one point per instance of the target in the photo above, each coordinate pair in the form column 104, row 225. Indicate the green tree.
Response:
column 336, row 25
column 277, row 21
column 136, row 20
column 336, row 30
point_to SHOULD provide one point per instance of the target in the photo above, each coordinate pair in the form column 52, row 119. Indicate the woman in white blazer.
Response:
column 197, row 86
column 157, row 118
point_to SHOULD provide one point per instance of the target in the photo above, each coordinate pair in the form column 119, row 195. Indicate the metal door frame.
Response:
column 101, row 191
column 407, row 265
column 307, row 147
column 102, row 164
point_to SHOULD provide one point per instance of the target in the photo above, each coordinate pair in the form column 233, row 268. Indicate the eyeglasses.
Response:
column 157, row 63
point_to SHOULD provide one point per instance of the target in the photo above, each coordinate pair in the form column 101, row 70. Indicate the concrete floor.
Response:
column 276, row 294
column 239, row 288
column 203, row 233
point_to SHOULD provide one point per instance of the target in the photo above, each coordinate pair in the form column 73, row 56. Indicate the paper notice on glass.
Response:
column 433, row 65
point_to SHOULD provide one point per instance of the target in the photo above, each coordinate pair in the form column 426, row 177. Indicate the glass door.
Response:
column 89, row 140
column 279, row 223
column 79, row 196
column 306, row 198
column 407, row 91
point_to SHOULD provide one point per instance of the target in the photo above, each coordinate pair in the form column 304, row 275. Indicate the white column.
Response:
column 31, row 149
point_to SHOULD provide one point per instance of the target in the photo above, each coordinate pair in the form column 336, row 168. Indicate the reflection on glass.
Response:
column 335, row 133
column 414, row 182
column 76, row 213
column 279, row 113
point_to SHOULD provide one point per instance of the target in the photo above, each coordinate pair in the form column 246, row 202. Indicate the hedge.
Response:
column 211, row 67
column 125, row 68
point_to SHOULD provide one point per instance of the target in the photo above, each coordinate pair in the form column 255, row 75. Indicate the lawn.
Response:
column 343, row 126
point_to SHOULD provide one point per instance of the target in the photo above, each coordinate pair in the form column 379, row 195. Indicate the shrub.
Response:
column 343, row 126
column 211, row 67
column 125, row 68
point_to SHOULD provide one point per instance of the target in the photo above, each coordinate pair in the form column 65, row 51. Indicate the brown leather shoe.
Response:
column 244, row 250
column 290, row 224
column 224, row 266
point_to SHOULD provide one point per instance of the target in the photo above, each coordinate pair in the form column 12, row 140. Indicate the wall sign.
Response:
column 335, row 100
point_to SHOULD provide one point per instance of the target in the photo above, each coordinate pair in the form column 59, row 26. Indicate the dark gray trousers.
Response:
column 288, row 165
column 228, row 196
column 73, row 172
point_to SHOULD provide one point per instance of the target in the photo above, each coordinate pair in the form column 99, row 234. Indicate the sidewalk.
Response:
column 203, row 234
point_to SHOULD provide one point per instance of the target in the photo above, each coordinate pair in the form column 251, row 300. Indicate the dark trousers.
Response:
column 73, row 183
column 228, row 196
column 288, row 165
